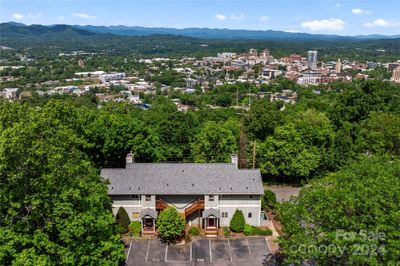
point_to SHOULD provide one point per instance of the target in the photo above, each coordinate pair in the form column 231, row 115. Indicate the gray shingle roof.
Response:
column 182, row 179
column 211, row 212
column 148, row 213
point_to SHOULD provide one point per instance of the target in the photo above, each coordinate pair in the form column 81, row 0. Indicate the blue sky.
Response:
column 346, row 17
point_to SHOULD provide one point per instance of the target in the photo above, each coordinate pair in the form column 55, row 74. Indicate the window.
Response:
column 249, row 215
column 136, row 215
column 147, row 198
column 211, row 198
column 224, row 215
column 135, row 197
column 251, row 196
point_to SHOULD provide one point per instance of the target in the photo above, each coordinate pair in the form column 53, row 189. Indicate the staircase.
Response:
column 195, row 206
column 161, row 204
column 211, row 232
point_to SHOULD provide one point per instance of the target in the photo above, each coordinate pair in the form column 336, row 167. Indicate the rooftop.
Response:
column 182, row 179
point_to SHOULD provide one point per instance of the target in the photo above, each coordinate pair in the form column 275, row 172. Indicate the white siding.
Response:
column 123, row 200
column 129, row 211
column 239, row 200
column 254, row 220
column 246, row 203
column 149, row 204
column 211, row 204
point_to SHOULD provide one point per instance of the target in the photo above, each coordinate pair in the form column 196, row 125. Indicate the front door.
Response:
column 148, row 223
column 211, row 222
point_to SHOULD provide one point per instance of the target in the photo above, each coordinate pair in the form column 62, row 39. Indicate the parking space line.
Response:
column 209, row 245
column 166, row 253
column 269, row 248
column 248, row 246
column 147, row 253
column 129, row 250
column 230, row 251
column 191, row 244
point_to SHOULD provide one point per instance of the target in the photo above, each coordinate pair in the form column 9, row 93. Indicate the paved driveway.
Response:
column 201, row 251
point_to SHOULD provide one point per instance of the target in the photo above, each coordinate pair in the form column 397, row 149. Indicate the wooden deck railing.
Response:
column 161, row 204
column 196, row 206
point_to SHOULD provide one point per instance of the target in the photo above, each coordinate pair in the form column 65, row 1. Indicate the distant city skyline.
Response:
column 346, row 17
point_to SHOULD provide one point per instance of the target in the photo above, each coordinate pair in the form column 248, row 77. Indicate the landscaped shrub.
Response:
column 170, row 224
column 268, row 200
column 194, row 231
column 237, row 222
column 135, row 228
column 122, row 219
column 248, row 230
column 257, row 231
column 227, row 232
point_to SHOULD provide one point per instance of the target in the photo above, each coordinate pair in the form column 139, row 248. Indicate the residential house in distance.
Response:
column 11, row 93
column 104, row 78
column 287, row 96
column 206, row 194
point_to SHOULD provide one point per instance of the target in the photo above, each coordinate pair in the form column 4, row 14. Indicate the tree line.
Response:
column 54, row 205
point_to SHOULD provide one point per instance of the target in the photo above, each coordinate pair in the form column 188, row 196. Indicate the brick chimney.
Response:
column 130, row 158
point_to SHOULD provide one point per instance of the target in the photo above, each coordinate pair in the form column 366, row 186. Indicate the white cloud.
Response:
column 233, row 16
column 30, row 16
column 263, row 18
column 84, row 15
column 324, row 24
column 17, row 16
column 381, row 23
column 359, row 11
column 220, row 17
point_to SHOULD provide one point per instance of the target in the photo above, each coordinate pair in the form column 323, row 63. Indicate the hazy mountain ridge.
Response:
column 208, row 33
column 13, row 29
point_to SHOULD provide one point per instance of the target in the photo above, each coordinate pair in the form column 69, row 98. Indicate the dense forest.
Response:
column 52, row 197
column 340, row 142
column 65, row 39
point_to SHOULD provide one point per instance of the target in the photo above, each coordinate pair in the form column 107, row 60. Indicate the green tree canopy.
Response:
column 170, row 224
column 54, row 206
column 380, row 133
column 215, row 142
column 122, row 219
column 354, row 211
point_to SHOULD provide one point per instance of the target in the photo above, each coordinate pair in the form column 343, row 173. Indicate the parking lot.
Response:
column 201, row 251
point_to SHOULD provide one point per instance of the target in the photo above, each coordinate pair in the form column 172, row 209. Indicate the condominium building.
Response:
column 206, row 194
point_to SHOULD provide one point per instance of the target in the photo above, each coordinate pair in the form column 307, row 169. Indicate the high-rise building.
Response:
column 312, row 59
column 338, row 66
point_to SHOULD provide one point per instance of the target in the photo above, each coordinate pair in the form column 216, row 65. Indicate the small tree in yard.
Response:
column 268, row 200
column 237, row 222
column 170, row 224
column 135, row 228
column 122, row 219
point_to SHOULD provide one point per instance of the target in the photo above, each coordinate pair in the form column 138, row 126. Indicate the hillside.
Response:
column 66, row 38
